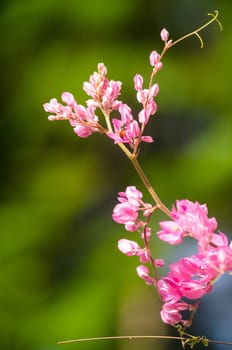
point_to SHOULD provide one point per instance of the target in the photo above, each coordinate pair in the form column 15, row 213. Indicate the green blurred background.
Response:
column 61, row 275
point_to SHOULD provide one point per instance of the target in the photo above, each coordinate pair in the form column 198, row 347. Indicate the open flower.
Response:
column 130, row 205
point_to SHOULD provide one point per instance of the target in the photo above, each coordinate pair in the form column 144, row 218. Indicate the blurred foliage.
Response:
column 61, row 274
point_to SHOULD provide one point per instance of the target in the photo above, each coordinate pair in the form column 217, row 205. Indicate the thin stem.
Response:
column 125, row 150
column 131, row 337
column 143, row 177
column 107, row 119
column 149, row 187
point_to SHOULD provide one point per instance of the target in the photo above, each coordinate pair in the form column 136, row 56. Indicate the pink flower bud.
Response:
column 138, row 81
column 154, row 58
column 128, row 247
column 154, row 89
column 164, row 34
column 159, row 262
column 143, row 273
column 82, row 131
column 68, row 99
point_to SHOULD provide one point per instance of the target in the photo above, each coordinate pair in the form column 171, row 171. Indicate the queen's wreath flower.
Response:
column 191, row 277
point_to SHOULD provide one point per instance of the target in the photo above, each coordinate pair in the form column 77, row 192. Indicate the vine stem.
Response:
column 143, row 177
column 149, row 187
column 131, row 337
column 195, row 32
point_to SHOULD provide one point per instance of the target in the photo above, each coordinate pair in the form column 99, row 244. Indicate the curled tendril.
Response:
column 196, row 32
column 215, row 17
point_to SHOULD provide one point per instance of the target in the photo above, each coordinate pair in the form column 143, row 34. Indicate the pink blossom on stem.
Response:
column 104, row 93
column 146, row 97
column 126, row 129
column 97, row 84
column 61, row 112
column 189, row 219
column 83, row 120
column 138, row 82
column 69, row 99
column 170, row 232
column 171, row 314
column 164, row 34
column 158, row 263
column 155, row 61
column 164, row 37
column 192, row 278
column 130, row 248
column 127, row 211
column 146, row 234
column 143, row 273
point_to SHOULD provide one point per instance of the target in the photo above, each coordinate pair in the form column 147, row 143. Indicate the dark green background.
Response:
column 61, row 275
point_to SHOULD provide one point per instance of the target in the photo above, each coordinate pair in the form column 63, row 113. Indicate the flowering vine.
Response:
column 190, row 278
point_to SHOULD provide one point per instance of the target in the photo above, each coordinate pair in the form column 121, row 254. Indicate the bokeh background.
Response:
column 61, row 275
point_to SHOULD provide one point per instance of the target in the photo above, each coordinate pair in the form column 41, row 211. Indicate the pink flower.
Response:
column 83, row 120
column 171, row 232
column 61, row 112
column 155, row 60
column 168, row 289
column 146, row 97
column 126, row 129
column 143, row 273
column 138, row 82
column 159, row 263
column 171, row 312
column 69, row 99
column 97, row 84
column 128, row 247
column 127, row 211
column 103, row 91
column 132, row 248
column 164, row 34
column 189, row 219
column 82, row 130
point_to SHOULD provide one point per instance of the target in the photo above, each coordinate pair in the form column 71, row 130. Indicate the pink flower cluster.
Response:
column 104, row 96
column 190, row 278
column 129, row 207
column 83, row 120
column 189, row 219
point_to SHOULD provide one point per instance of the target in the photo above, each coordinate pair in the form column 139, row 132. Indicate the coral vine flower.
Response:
column 132, row 248
column 189, row 219
column 143, row 273
column 127, row 129
column 164, row 35
column 104, row 93
column 190, row 278
column 127, row 211
column 146, row 97
column 83, row 120
column 155, row 61
column 171, row 314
